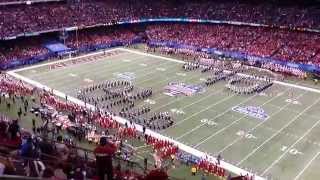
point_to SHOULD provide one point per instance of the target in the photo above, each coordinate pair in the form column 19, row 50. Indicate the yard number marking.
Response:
column 87, row 80
column 160, row 69
column 177, row 111
column 246, row 135
column 149, row 101
column 293, row 101
column 202, row 79
column 292, row 151
column 209, row 122
column 262, row 94
column 72, row 75
column 181, row 74
column 144, row 65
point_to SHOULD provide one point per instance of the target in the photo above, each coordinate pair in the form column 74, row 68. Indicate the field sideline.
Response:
column 285, row 146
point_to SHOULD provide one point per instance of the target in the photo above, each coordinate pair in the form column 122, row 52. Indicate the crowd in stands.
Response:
column 91, row 38
column 35, row 154
column 278, row 44
column 298, row 47
column 21, row 49
column 38, row 17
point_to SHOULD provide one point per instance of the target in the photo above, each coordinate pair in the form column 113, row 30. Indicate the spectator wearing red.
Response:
column 104, row 153
column 157, row 174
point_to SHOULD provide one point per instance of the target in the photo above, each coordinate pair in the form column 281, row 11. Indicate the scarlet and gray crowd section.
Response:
column 278, row 43
column 284, row 45
column 37, row 156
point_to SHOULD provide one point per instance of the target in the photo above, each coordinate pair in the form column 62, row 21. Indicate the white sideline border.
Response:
column 63, row 60
column 179, row 61
column 229, row 167
column 188, row 149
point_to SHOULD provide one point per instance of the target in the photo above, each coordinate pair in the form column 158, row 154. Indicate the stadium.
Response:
column 163, row 89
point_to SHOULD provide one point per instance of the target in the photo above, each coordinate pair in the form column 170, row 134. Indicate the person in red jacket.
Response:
column 104, row 153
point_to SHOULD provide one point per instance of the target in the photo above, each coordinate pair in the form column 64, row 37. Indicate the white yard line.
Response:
column 285, row 152
column 178, row 99
column 259, row 124
column 83, row 71
column 152, row 55
column 170, row 102
column 293, row 136
column 195, row 102
column 279, row 131
column 221, row 114
column 64, row 60
column 221, row 130
column 205, row 109
column 159, row 82
column 297, row 86
column 306, row 167
column 288, row 109
column 188, row 149
column 180, row 61
column 144, row 75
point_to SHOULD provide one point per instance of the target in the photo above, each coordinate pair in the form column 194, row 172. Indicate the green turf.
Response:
column 263, row 150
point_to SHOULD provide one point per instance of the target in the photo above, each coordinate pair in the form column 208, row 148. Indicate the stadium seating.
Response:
column 37, row 154
column 299, row 47
column 279, row 44
column 282, row 44
column 20, row 50
column 88, row 38
column 18, row 19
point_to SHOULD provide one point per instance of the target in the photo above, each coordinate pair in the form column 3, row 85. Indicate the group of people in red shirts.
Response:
column 14, row 87
column 164, row 148
column 211, row 168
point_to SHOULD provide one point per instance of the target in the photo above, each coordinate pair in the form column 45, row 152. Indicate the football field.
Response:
column 285, row 145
